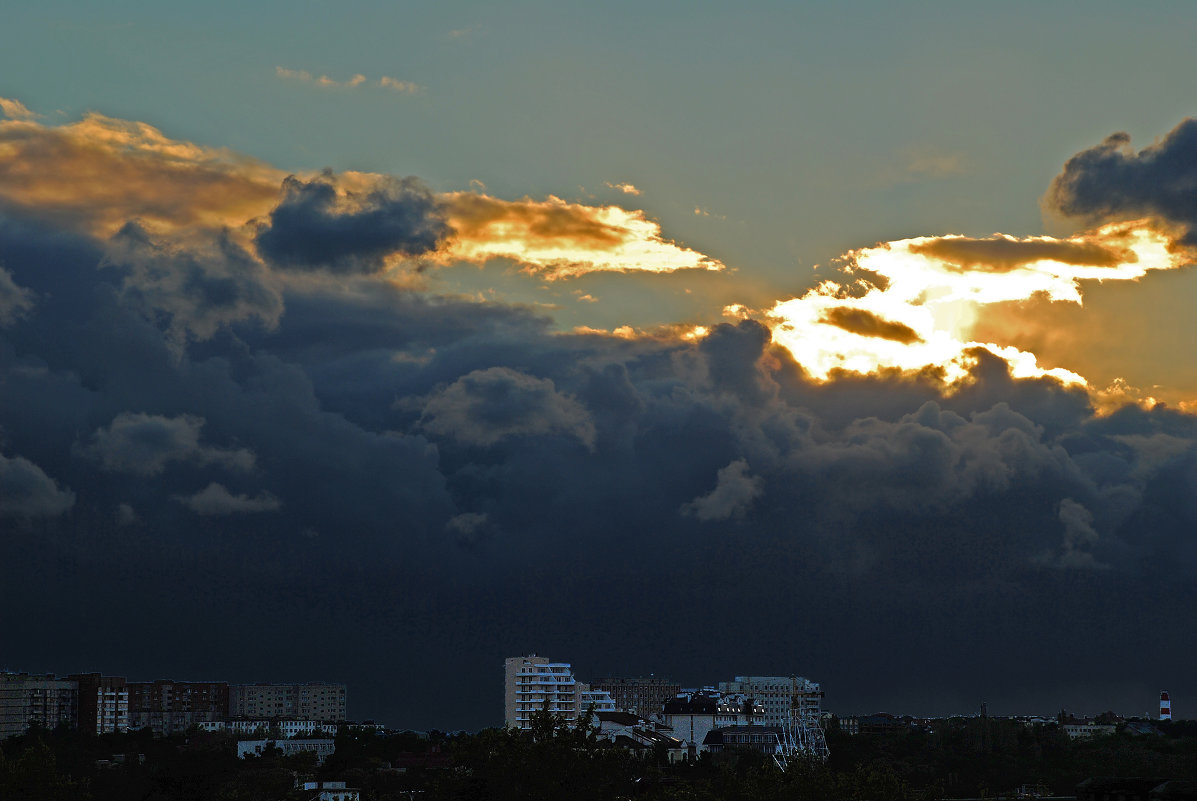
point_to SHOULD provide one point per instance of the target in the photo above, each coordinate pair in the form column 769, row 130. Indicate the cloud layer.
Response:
column 224, row 424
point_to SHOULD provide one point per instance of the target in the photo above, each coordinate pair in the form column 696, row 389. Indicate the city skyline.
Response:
column 384, row 343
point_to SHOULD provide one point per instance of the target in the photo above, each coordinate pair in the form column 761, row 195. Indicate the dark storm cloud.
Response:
column 867, row 324
column 196, row 284
column 1002, row 254
column 1112, row 181
column 316, row 227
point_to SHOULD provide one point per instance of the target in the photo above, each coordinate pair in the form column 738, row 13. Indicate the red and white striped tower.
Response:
column 1165, row 706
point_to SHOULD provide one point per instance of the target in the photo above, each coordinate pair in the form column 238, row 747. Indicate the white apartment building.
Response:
column 782, row 696
column 535, row 683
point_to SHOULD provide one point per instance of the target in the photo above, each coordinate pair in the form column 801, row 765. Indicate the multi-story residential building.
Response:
column 534, row 683
column 311, row 701
column 692, row 714
column 641, row 696
column 166, row 707
column 782, row 696
column 27, row 699
column 103, row 703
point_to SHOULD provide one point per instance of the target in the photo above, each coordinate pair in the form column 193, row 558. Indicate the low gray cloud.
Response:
column 27, row 492
column 317, row 226
column 144, row 444
column 734, row 492
column 1079, row 536
column 216, row 500
column 15, row 301
column 486, row 406
column 1111, row 181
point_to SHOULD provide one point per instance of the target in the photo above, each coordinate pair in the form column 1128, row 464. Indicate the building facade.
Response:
column 534, row 683
column 322, row 748
column 641, row 696
column 782, row 696
column 166, row 707
column 312, row 701
column 693, row 714
column 27, row 700
column 103, row 703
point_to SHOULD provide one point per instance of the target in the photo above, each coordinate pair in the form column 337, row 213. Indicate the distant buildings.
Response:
column 784, row 697
column 166, row 707
column 98, row 704
column 693, row 714
column 534, row 683
column 103, row 703
column 641, row 696
column 27, row 700
column 313, row 701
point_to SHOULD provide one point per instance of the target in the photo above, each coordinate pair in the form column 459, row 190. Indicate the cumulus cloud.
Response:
column 27, row 492
column 1110, row 181
column 197, row 283
column 484, row 407
column 15, row 301
column 144, row 444
column 216, row 500
column 735, row 491
column 558, row 239
column 316, row 226
column 1079, row 537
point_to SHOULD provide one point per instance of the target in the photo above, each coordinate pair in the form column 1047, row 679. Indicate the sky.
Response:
column 374, row 343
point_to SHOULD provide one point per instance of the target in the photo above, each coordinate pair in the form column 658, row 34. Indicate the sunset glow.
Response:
column 911, row 304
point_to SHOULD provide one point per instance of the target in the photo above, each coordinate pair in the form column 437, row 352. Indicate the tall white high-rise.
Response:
column 534, row 683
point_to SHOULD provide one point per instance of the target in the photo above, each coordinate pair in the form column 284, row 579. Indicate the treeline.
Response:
column 973, row 757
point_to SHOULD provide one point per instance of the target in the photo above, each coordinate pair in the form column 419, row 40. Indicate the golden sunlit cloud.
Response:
column 686, row 332
column 558, row 239
column 913, row 304
column 626, row 188
column 16, row 110
column 97, row 173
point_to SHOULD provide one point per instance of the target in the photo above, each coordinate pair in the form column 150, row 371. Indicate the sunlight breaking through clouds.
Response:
column 911, row 304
